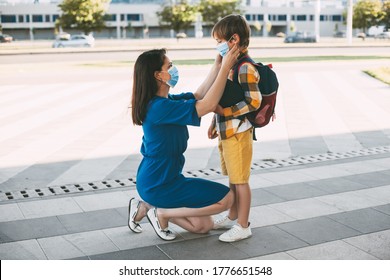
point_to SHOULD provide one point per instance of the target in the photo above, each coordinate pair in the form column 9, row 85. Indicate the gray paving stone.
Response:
column 287, row 177
column 145, row 253
column 265, row 216
column 318, row 230
column 364, row 220
column 92, row 242
column 207, row 248
column 324, row 171
column 80, row 259
column 31, row 229
column 58, row 248
column 308, row 145
column 305, row 208
column 10, row 212
column 349, row 201
column 376, row 244
column 373, row 179
column 295, row 191
column 22, row 250
column 49, row 207
column 262, row 197
column 372, row 138
column 125, row 239
column 276, row 256
column 268, row 240
column 94, row 220
column 335, row 250
column 383, row 208
column 336, row 185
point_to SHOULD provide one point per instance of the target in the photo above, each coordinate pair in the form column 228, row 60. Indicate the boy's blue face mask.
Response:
column 174, row 76
column 223, row 48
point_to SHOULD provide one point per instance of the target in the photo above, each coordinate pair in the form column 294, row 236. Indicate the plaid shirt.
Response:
column 229, row 123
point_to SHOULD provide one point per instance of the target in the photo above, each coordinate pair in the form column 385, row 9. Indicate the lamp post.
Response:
column 317, row 20
column 349, row 22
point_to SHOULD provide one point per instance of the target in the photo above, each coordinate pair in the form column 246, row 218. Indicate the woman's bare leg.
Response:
column 195, row 224
column 164, row 215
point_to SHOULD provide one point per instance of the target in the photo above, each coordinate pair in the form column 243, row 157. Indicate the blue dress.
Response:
column 160, row 181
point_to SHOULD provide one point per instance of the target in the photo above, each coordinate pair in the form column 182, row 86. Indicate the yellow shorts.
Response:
column 236, row 156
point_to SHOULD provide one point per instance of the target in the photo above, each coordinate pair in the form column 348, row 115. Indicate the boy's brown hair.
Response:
column 232, row 24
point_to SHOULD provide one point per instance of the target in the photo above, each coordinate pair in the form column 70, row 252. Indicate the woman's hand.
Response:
column 219, row 110
column 231, row 57
column 218, row 60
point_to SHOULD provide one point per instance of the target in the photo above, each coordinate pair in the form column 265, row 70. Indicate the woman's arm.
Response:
column 207, row 83
column 214, row 94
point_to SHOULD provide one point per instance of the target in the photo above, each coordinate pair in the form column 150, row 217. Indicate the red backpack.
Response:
column 268, row 86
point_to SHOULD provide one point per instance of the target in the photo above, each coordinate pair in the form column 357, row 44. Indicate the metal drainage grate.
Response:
column 212, row 172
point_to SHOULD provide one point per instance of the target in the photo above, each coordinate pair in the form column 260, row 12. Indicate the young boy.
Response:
column 234, row 130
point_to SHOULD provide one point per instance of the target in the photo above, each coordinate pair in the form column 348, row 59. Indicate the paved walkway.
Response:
column 321, row 173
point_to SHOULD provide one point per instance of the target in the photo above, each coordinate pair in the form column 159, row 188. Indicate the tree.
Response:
column 214, row 10
column 178, row 16
column 85, row 15
column 367, row 13
column 386, row 17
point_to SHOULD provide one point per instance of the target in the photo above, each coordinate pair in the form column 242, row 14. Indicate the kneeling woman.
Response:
column 187, row 202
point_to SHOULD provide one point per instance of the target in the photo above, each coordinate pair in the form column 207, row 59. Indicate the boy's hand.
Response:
column 212, row 132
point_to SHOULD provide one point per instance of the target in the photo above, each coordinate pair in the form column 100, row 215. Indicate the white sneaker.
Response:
column 236, row 233
column 223, row 222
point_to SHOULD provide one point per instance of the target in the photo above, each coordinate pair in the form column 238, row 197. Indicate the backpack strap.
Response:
column 236, row 70
column 237, row 66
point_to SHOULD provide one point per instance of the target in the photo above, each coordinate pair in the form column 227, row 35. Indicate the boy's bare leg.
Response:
column 233, row 210
column 243, row 200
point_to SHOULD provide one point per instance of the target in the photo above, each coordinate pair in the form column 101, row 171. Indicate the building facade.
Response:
column 35, row 19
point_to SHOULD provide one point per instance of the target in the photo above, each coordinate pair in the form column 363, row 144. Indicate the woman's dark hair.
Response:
column 231, row 24
column 145, row 85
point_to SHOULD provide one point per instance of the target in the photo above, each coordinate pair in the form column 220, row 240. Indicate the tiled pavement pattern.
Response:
column 337, row 209
column 54, row 133
column 76, row 128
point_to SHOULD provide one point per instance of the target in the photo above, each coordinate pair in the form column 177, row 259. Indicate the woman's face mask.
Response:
column 174, row 73
column 223, row 48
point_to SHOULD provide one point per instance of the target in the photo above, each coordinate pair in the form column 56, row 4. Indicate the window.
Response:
column 311, row 17
column 301, row 17
column 260, row 17
column 8, row 18
column 248, row 17
column 47, row 18
column 21, row 18
column 282, row 17
column 337, row 18
column 37, row 18
column 292, row 17
column 55, row 17
column 323, row 18
column 134, row 17
column 109, row 17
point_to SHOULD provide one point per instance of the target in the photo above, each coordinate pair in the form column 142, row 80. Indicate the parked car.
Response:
column 300, row 37
column 5, row 38
column 181, row 35
column 339, row 34
column 383, row 35
column 74, row 41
